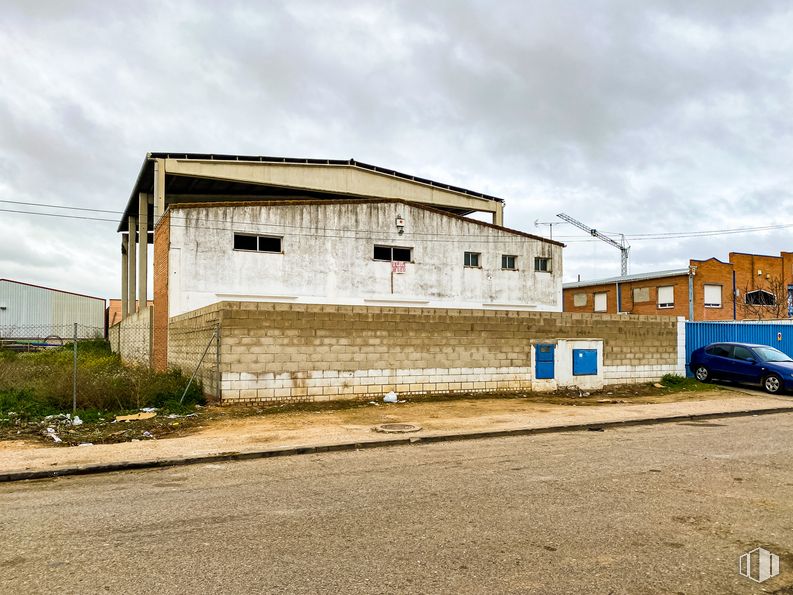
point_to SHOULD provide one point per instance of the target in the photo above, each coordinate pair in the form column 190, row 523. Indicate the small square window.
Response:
column 508, row 262
column 542, row 264
column 382, row 253
column 472, row 259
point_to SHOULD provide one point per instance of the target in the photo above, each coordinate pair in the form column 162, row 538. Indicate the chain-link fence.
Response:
column 194, row 347
column 35, row 337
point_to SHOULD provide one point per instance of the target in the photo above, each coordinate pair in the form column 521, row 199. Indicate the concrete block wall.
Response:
column 189, row 337
column 132, row 337
column 303, row 352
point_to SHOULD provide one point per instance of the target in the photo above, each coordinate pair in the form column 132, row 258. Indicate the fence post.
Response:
column 74, row 372
column 217, row 362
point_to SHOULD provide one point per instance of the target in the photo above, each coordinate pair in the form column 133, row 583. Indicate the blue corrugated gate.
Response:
column 775, row 334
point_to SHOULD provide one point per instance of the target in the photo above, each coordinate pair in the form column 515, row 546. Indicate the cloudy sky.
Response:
column 634, row 117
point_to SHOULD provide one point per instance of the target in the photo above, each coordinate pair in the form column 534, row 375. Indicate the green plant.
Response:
column 39, row 384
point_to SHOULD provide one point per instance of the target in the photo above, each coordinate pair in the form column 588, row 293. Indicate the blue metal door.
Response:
column 585, row 362
column 543, row 360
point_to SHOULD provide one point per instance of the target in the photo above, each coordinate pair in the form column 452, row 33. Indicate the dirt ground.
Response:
column 420, row 409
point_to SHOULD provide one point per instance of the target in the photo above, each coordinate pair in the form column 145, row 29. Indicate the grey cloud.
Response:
column 632, row 117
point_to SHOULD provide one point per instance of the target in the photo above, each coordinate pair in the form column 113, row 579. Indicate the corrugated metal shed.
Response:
column 32, row 311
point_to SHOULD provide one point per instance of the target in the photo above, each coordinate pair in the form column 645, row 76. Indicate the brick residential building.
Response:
column 748, row 286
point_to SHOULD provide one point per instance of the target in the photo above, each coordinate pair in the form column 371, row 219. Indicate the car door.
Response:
column 744, row 365
column 719, row 361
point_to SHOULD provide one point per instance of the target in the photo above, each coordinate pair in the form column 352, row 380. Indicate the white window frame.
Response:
column 666, row 304
column 605, row 297
column 710, row 303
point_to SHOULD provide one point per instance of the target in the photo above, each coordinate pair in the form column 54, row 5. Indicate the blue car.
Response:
column 743, row 362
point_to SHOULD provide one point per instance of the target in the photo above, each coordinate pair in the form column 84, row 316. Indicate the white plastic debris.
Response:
column 51, row 433
column 390, row 397
column 148, row 409
column 148, row 434
column 77, row 421
column 86, row 444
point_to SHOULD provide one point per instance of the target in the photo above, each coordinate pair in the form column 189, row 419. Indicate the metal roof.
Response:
column 92, row 297
column 627, row 278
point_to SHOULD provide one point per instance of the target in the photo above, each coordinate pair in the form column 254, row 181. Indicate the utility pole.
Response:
column 622, row 245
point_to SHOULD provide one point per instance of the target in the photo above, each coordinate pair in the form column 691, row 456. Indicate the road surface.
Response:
column 646, row 509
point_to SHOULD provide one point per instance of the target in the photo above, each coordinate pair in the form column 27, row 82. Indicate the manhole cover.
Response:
column 397, row 428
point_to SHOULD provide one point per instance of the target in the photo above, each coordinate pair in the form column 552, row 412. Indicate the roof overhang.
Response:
column 191, row 176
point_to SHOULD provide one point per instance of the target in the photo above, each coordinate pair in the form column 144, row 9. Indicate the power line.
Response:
column 57, row 215
column 568, row 239
column 41, row 204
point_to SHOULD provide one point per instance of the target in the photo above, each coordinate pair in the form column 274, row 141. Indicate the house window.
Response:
column 760, row 298
column 713, row 296
column 393, row 253
column 542, row 264
column 666, row 296
column 254, row 243
column 508, row 262
column 601, row 302
column 579, row 299
column 472, row 259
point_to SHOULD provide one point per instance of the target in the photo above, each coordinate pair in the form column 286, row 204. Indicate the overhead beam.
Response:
column 339, row 179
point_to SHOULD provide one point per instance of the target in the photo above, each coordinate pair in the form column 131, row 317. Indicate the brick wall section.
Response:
column 288, row 352
column 645, row 308
column 711, row 272
column 162, row 245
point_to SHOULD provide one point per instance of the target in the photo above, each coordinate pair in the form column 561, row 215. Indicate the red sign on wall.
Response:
column 399, row 267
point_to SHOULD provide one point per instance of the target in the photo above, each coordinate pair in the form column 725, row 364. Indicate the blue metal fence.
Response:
column 775, row 334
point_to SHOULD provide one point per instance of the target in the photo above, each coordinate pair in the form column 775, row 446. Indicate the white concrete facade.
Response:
column 327, row 257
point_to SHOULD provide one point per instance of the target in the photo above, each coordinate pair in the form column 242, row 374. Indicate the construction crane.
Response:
column 622, row 245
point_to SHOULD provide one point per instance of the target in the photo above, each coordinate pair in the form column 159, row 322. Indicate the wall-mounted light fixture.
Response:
column 400, row 224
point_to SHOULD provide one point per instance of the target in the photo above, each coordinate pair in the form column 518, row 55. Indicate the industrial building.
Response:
column 30, row 311
column 747, row 287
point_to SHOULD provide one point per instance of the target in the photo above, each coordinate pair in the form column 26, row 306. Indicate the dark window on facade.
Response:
column 471, row 259
column 243, row 241
column 720, row 350
column 269, row 244
column 509, row 262
column 760, row 298
column 393, row 253
column 542, row 264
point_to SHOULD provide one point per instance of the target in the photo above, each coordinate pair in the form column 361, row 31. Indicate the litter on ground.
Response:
column 136, row 416
column 390, row 397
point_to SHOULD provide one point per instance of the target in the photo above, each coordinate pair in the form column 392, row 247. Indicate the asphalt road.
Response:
column 645, row 509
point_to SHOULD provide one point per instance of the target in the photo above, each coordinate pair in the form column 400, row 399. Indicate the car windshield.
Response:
column 769, row 354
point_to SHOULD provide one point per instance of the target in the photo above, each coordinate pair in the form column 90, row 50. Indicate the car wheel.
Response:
column 772, row 384
column 702, row 374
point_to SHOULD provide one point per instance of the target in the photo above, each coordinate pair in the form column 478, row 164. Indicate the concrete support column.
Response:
column 498, row 215
column 124, row 275
column 159, row 190
column 132, row 270
column 143, row 265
